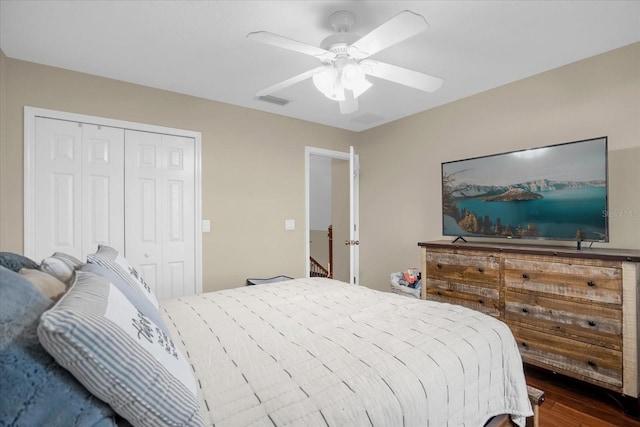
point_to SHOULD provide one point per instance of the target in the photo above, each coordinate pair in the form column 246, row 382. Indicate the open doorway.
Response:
column 328, row 218
column 320, row 218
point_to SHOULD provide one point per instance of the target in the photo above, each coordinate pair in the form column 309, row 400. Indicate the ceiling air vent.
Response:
column 273, row 99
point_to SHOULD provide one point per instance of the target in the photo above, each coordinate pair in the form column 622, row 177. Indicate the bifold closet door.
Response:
column 79, row 190
column 159, row 211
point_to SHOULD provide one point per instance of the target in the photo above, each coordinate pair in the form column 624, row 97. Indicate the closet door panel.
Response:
column 63, row 213
column 98, row 212
column 176, row 276
column 56, row 196
column 102, row 187
column 160, row 220
column 147, row 221
column 78, row 187
column 179, row 223
column 143, row 209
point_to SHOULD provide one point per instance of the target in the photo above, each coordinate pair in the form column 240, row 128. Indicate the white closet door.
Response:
column 102, row 187
column 159, row 211
column 79, row 189
column 57, row 182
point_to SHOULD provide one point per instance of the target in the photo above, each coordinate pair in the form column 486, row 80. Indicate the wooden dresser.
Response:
column 572, row 312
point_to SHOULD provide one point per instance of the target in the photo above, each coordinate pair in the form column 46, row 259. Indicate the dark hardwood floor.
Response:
column 570, row 403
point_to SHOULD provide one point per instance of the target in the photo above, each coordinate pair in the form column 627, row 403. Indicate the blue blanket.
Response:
column 34, row 389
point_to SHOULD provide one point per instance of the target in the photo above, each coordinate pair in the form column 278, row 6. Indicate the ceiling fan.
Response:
column 346, row 62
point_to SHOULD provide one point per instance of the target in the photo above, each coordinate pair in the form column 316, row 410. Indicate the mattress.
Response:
column 317, row 351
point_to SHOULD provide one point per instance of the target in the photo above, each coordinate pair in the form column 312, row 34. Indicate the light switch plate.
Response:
column 289, row 224
column 206, row 225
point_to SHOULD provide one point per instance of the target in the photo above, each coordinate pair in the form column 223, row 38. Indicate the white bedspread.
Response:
column 318, row 352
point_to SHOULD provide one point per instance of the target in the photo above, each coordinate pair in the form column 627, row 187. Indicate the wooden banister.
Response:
column 317, row 269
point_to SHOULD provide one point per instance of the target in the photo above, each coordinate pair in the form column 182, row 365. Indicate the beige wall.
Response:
column 400, row 177
column 4, row 185
column 252, row 164
column 340, row 218
column 319, row 246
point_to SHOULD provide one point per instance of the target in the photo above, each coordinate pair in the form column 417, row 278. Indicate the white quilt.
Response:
column 318, row 352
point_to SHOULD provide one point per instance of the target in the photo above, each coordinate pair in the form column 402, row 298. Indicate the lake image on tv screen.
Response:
column 556, row 192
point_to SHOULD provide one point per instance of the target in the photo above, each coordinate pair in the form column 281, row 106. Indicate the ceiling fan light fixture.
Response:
column 352, row 75
column 328, row 83
column 353, row 78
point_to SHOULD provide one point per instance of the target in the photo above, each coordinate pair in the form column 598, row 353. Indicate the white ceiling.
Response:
column 200, row 48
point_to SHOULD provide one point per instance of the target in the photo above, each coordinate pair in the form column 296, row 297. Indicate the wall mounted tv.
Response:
column 558, row 192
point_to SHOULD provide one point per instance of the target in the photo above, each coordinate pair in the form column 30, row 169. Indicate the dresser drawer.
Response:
column 576, row 281
column 467, row 280
column 574, row 358
column 596, row 324
column 482, row 270
column 484, row 300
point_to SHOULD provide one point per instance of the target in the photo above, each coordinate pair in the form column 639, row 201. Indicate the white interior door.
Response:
column 57, row 189
column 77, row 197
column 159, row 214
column 352, row 234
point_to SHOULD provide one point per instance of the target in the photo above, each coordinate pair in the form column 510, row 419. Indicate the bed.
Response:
column 301, row 352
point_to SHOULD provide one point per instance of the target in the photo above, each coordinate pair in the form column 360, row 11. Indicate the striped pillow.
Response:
column 111, row 259
column 138, row 300
column 120, row 355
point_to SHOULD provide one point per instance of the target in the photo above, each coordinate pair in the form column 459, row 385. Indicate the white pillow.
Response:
column 61, row 266
column 120, row 355
column 111, row 259
column 46, row 283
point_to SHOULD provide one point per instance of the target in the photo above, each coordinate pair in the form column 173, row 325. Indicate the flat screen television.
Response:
column 557, row 192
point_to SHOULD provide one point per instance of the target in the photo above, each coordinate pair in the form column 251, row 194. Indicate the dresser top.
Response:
column 629, row 255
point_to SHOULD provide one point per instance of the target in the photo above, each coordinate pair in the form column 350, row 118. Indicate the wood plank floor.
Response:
column 570, row 403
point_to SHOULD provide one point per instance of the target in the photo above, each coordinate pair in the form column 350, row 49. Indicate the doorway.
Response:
column 328, row 204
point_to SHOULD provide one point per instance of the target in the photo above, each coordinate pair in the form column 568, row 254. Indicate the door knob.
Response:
column 147, row 255
column 352, row 242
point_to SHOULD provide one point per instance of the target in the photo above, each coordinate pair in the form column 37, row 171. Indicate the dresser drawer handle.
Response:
column 481, row 270
column 591, row 283
column 439, row 293
column 481, row 301
column 439, row 265
column 525, row 276
column 591, row 363
column 525, row 310
column 592, row 323
column 525, row 345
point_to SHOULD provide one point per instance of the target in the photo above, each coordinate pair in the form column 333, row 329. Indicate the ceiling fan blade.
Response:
column 402, row 26
column 285, row 43
column 403, row 76
column 290, row 82
column 350, row 103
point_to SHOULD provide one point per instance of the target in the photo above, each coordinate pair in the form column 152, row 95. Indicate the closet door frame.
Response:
column 30, row 114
